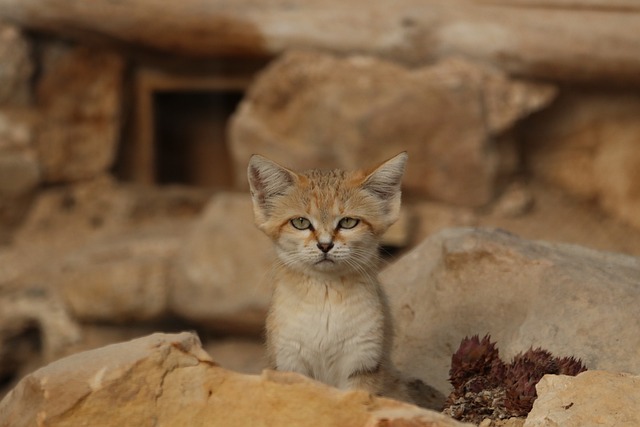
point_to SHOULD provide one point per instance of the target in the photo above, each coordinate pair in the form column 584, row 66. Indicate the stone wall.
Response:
column 88, row 258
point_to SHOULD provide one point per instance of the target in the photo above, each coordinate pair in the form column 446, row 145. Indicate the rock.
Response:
column 80, row 97
column 19, row 173
column 314, row 110
column 35, row 328
column 16, row 67
column 581, row 222
column 19, row 166
column 240, row 355
column 221, row 276
column 106, row 248
column 586, row 143
column 591, row 398
column 121, row 279
column 516, row 200
column 169, row 380
column 462, row 282
column 432, row 217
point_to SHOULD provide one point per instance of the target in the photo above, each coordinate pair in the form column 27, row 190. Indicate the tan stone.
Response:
column 120, row 279
column 221, row 276
column 462, row 282
column 19, row 173
column 16, row 66
column 591, row 398
column 169, row 380
column 587, row 143
column 80, row 97
column 240, row 355
column 314, row 110
column 35, row 328
column 552, row 39
column 432, row 217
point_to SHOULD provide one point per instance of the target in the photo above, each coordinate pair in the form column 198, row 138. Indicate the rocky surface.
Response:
column 462, row 282
column 315, row 110
column 80, row 95
column 17, row 67
column 587, row 144
column 591, row 398
column 170, row 380
column 221, row 274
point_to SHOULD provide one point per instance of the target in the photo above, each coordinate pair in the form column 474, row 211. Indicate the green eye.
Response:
column 348, row 223
column 301, row 223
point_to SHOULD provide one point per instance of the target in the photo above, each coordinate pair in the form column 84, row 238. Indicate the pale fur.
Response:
column 328, row 317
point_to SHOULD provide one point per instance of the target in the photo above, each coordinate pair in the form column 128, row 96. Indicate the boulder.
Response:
column 19, row 165
column 80, row 97
column 120, row 279
column 35, row 328
column 221, row 275
column 587, row 144
column 591, row 398
column 462, row 282
column 170, row 380
column 19, row 173
column 16, row 67
column 315, row 110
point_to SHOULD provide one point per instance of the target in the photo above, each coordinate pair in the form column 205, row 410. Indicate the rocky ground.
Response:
column 147, row 256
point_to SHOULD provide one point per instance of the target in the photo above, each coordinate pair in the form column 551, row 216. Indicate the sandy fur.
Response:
column 328, row 317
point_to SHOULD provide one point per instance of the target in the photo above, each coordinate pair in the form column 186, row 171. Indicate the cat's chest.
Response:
column 326, row 318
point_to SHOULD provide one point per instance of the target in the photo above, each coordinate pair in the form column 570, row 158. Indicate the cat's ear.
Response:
column 384, row 182
column 267, row 180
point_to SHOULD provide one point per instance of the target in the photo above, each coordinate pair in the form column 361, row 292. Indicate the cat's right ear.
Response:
column 267, row 180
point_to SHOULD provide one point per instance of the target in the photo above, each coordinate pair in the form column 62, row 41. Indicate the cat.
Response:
column 328, row 317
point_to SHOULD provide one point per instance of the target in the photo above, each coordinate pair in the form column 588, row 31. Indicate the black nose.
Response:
column 325, row 247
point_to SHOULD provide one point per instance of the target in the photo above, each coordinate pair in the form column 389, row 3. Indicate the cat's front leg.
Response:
column 288, row 357
column 368, row 378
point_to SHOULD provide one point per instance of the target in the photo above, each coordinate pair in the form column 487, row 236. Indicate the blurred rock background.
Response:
column 125, row 130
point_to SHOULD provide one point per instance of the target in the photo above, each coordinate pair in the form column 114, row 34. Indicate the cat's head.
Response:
column 326, row 221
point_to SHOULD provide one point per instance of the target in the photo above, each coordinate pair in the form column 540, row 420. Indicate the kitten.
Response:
column 328, row 317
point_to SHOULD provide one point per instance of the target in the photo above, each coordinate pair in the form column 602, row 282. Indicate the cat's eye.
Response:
column 348, row 223
column 301, row 223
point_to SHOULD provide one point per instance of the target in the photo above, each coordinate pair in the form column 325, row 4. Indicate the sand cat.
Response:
column 328, row 317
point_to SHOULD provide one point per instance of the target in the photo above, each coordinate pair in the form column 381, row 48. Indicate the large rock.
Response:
column 16, row 67
column 462, row 282
column 35, row 329
column 121, row 279
column 591, row 398
column 314, row 110
column 80, row 97
column 19, row 165
column 587, row 144
column 221, row 276
column 169, row 380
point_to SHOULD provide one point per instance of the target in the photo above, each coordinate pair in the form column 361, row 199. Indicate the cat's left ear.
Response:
column 384, row 182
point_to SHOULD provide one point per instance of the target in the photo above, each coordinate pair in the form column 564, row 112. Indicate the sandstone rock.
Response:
column 432, row 217
column 80, row 96
column 169, row 380
column 221, row 276
column 314, row 110
column 552, row 39
column 122, row 279
column 462, row 282
column 19, row 173
column 587, row 144
column 556, row 216
column 34, row 329
column 591, row 398
column 16, row 67
column 240, row 355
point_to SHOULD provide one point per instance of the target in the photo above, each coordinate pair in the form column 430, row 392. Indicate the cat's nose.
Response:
column 325, row 247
